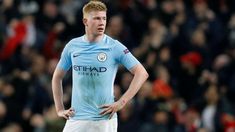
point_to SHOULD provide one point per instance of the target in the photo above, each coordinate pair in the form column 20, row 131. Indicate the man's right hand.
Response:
column 66, row 113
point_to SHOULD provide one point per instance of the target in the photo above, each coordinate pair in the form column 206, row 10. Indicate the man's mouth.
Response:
column 101, row 29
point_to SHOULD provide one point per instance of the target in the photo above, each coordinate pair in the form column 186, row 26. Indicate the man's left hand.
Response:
column 112, row 108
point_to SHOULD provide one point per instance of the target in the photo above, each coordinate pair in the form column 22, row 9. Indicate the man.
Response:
column 94, row 59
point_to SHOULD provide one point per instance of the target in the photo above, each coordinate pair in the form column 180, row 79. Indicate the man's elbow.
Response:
column 140, row 71
column 145, row 74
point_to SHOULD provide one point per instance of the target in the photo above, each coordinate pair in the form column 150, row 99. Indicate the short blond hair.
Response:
column 93, row 5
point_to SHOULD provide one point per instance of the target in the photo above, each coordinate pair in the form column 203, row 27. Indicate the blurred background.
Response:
column 187, row 46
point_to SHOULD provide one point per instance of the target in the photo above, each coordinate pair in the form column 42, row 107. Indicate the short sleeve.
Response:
column 65, row 59
column 124, row 56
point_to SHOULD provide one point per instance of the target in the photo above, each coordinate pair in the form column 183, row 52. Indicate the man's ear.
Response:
column 84, row 20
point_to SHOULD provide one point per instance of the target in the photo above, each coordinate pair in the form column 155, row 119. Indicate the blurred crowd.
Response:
column 187, row 47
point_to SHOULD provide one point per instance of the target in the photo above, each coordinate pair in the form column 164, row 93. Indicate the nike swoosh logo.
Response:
column 76, row 55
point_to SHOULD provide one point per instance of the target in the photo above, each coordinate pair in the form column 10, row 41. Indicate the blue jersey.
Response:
column 94, row 67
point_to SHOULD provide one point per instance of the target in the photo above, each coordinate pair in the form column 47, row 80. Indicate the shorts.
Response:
column 91, row 126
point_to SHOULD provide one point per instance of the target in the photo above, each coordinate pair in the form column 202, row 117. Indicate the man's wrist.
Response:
column 60, row 111
column 122, row 102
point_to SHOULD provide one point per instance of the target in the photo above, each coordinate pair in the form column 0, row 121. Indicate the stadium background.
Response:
column 188, row 48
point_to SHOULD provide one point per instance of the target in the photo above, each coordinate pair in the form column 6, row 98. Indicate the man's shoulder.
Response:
column 76, row 40
column 111, row 41
column 72, row 43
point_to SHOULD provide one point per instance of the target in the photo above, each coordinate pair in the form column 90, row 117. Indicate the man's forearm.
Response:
column 57, row 94
column 140, row 76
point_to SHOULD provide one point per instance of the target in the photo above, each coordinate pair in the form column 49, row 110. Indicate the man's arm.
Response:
column 58, row 94
column 140, row 76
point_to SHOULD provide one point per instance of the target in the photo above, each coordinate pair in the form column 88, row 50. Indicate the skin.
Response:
column 95, row 23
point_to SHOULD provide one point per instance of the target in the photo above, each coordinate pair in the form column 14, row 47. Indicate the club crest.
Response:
column 102, row 57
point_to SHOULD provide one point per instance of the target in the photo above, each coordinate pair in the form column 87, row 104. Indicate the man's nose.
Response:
column 102, row 22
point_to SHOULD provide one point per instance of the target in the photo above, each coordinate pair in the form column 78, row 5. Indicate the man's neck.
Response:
column 93, row 38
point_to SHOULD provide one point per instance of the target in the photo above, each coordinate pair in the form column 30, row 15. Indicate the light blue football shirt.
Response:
column 94, row 67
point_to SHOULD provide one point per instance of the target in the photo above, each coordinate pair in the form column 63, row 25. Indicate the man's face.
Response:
column 95, row 22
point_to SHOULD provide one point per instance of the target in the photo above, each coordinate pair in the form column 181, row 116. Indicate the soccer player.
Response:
column 94, row 59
